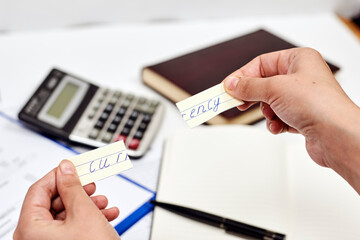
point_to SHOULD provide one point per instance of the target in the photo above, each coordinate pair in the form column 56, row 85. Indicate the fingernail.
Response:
column 271, row 127
column 66, row 167
column 231, row 82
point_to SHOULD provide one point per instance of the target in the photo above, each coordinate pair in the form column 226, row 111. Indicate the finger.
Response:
column 37, row 201
column 292, row 130
column 268, row 64
column 111, row 213
column 90, row 188
column 250, row 88
column 72, row 194
column 267, row 111
column 100, row 201
column 58, row 206
column 276, row 126
column 246, row 105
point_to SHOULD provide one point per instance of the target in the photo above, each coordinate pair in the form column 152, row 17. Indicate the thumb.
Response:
column 70, row 189
column 249, row 88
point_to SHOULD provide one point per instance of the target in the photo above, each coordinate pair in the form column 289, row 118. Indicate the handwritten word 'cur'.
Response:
column 211, row 104
column 104, row 163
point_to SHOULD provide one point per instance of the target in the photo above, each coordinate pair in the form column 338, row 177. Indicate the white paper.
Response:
column 205, row 105
column 214, row 169
column 25, row 157
column 102, row 162
column 249, row 175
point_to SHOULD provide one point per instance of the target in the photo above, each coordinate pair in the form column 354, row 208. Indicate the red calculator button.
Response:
column 120, row 137
column 134, row 144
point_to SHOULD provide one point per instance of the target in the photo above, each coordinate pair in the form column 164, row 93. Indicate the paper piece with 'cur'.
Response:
column 101, row 163
column 205, row 105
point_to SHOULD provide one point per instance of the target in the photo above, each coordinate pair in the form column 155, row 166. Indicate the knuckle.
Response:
column 243, row 89
column 69, row 185
column 32, row 189
column 310, row 51
column 270, row 87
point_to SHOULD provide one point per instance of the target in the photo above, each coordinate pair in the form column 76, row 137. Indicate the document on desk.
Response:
column 205, row 105
column 26, row 156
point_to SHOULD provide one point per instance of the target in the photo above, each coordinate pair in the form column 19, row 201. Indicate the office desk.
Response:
column 113, row 56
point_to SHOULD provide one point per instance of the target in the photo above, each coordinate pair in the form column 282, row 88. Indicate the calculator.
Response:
column 72, row 109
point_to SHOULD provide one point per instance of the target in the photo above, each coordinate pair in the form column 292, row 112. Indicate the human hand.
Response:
column 299, row 94
column 58, row 207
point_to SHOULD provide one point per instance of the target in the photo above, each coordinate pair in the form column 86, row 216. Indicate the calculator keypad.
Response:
column 114, row 116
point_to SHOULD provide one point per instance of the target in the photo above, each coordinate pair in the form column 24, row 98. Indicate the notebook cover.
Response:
column 199, row 70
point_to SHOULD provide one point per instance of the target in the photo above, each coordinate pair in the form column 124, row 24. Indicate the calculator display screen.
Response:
column 63, row 100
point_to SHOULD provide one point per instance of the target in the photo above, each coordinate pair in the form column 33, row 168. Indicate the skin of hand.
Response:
column 299, row 94
column 58, row 207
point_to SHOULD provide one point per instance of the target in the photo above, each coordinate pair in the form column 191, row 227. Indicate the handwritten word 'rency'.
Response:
column 104, row 163
column 211, row 104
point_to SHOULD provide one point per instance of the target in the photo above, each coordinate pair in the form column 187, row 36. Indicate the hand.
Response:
column 299, row 94
column 58, row 207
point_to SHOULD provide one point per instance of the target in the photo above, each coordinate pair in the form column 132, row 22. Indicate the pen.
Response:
column 230, row 226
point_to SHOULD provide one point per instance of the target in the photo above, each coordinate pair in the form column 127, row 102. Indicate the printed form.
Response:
column 25, row 157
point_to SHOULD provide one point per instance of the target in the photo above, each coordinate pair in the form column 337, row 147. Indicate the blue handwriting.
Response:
column 211, row 104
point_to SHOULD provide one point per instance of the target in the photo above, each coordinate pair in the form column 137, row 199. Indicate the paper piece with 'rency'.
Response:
column 205, row 105
column 102, row 162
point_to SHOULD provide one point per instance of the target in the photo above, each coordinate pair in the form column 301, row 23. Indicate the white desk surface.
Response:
column 113, row 56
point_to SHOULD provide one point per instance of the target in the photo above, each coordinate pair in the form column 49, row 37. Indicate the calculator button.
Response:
column 104, row 116
column 134, row 144
column 154, row 103
column 125, row 131
column 94, row 133
column 116, row 120
column 134, row 114
column 120, row 137
column 138, row 134
column 142, row 127
column 121, row 112
column 43, row 94
column 57, row 74
column 105, row 92
column 151, row 110
column 101, row 99
column 141, row 101
column 92, row 114
column 112, row 128
column 113, row 100
column 107, row 137
column 109, row 108
column 130, row 123
column 129, row 97
column 145, row 108
column 147, row 118
column 52, row 83
column 117, row 94
column 99, row 124
column 96, row 105
column 126, row 103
